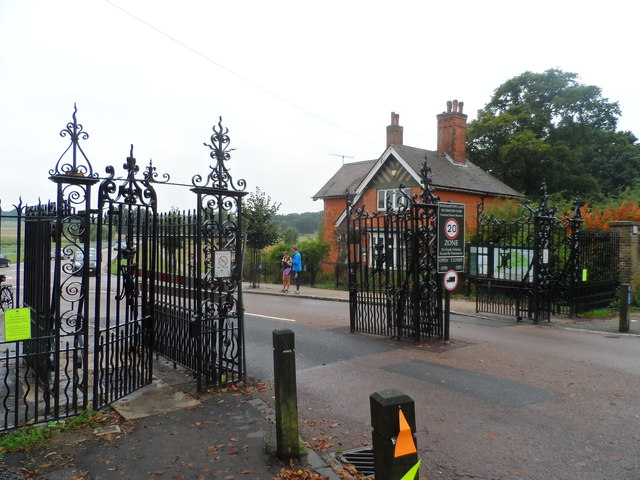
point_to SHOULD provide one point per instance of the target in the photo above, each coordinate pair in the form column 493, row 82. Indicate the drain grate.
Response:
column 361, row 459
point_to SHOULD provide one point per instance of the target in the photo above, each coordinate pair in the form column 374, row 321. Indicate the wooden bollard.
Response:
column 284, row 377
column 393, row 418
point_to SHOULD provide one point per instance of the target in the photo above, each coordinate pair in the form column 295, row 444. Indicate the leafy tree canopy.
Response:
column 259, row 220
column 304, row 223
column 550, row 127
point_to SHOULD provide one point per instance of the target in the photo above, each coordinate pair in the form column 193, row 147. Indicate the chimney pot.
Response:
column 452, row 131
column 394, row 131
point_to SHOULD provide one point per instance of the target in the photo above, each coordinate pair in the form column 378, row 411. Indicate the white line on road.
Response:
column 271, row 318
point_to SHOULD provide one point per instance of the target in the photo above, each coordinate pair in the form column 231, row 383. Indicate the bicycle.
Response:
column 6, row 296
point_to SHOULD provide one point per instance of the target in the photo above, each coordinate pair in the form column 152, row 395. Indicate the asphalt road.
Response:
column 502, row 401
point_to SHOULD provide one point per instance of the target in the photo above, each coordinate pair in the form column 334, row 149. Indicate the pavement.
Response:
column 168, row 430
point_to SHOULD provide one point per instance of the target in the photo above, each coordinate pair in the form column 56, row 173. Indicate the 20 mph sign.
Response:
column 450, row 237
column 451, row 228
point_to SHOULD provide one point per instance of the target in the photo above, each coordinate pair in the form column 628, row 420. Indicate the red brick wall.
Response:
column 333, row 208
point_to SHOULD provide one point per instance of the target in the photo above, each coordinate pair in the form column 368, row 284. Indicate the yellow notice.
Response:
column 17, row 324
column 584, row 274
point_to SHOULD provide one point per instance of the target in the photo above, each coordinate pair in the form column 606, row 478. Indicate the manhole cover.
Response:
column 361, row 459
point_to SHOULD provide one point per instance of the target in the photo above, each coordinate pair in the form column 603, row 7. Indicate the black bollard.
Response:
column 394, row 449
column 284, row 378
column 625, row 303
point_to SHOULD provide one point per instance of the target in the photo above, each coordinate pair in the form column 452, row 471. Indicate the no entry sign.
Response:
column 450, row 237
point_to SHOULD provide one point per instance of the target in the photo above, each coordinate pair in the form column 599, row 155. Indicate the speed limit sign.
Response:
column 450, row 237
column 451, row 228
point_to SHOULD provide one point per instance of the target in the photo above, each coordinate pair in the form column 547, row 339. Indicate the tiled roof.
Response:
column 446, row 174
column 348, row 177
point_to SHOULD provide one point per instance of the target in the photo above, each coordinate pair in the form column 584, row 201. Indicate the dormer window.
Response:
column 393, row 196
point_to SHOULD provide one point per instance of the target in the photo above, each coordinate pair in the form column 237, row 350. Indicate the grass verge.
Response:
column 34, row 436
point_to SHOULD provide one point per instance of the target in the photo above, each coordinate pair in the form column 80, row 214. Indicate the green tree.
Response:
column 304, row 223
column 549, row 126
column 258, row 219
column 260, row 227
column 312, row 253
column 290, row 235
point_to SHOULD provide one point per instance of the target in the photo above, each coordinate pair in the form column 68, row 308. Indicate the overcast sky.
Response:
column 296, row 82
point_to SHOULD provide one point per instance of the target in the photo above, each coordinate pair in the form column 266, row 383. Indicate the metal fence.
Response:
column 542, row 264
column 106, row 281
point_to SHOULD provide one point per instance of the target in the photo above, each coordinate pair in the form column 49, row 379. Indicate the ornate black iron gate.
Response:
column 393, row 280
column 199, row 308
column 108, row 280
column 124, row 297
column 542, row 264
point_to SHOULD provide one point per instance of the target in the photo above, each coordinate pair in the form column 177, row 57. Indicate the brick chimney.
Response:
column 452, row 131
column 394, row 131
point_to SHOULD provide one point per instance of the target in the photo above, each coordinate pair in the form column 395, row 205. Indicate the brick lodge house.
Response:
column 372, row 181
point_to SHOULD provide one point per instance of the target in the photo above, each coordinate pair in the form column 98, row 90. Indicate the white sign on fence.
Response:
column 222, row 264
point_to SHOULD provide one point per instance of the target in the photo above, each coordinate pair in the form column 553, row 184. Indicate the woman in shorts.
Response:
column 286, row 273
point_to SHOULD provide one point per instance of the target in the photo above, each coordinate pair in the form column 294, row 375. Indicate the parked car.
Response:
column 4, row 261
column 78, row 262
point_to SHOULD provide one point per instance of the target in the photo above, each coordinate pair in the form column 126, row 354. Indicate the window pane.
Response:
column 382, row 200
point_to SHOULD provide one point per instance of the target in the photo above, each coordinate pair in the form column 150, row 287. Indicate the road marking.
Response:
column 271, row 318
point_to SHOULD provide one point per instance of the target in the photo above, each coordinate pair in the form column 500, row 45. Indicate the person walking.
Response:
column 286, row 273
column 297, row 268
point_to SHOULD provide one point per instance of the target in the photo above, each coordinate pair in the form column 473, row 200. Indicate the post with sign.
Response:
column 450, row 252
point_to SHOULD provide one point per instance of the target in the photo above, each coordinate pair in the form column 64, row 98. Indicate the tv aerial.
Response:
column 338, row 155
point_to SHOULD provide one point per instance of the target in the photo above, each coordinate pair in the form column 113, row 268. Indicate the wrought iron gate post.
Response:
column 351, row 274
column 431, row 287
column 219, row 239
column 573, row 273
column 416, row 287
column 74, row 179
column 545, row 220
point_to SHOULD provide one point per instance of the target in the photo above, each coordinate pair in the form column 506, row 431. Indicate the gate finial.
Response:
column 219, row 177
column 75, row 166
column 427, row 195
column 132, row 190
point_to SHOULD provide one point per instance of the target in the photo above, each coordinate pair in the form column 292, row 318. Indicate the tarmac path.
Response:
column 504, row 400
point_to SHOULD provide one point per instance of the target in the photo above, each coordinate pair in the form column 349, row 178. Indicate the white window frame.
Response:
column 397, row 197
column 397, row 247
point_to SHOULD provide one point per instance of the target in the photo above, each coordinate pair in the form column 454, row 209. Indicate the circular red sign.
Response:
column 451, row 280
column 451, row 229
